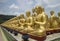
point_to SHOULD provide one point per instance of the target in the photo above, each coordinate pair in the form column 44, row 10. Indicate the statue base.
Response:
column 48, row 32
column 51, row 31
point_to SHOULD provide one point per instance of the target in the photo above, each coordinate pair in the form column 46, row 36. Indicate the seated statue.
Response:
column 34, row 15
column 41, row 21
column 21, row 22
column 33, row 10
column 47, row 25
column 38, row 9
column 14, row 24
column 53, row 20
column 42, row 17
column 29, row 22
column 34, row 19
column 59, row 19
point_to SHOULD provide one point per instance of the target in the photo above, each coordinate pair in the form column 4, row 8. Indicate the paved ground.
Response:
column 1, row 39
column 53, row 36
column 2, row 35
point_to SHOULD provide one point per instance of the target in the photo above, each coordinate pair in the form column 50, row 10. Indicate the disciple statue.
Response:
column 33, row 10
column 58, row 19
column 42, row 17
column 38, row 9
column 21, row 22
column 14, row 23
column 34, row 19
column 41, row 20
column 53, row 20
column 47, row 25
column 29, row 22
column 34, row 15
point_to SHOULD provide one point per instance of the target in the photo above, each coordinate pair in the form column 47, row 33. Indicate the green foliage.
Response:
column 4, row 18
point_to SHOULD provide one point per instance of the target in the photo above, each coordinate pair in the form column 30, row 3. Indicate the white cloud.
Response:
column 46, row 1
column 39, row 2
column 9, row 13
column 16, row 13
column 1, row 12
column 25, row 4
column 13, row 6
column 52, row 3
column 31, row 2
column 52, row 6
column 3, row 1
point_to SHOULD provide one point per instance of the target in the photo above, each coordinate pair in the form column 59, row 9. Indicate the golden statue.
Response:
column 53, row 20
column 41, row 21
column 21, row 22
column 33, row 10
column 34, row 19
column 38, row 9
column 59, row 19
column 42, row 17
column 34, row 15
column 29, row 22
column 47, row 20
column 14, row 23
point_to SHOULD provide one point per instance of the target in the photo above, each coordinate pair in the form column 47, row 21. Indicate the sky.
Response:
column 16, row 7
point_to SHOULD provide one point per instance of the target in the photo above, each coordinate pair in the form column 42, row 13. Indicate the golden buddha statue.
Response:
column 47, row 25
column 41, row 21
column 38, row 9
column 21, row 22
column 33, row 10
column 14, row 24
column 58, row 14
column 59, row 18
column 53, row 20
column 29, row 22
column 34, row 19
column 42, row 17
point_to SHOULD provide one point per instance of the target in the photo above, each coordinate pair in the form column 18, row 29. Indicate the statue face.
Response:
column 51, row 12
column 58, row 13
column 42, row 9
column 38, row 9
column 27, row 13
column 21, row 15
column 33, row 10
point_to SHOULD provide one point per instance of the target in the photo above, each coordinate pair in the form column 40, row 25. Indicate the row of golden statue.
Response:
column 36, row 23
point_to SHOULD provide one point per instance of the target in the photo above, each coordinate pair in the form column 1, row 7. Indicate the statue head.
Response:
column 38, row 9
column 52, row 12
column 33, row 10
column 43, row 9
column 21, row 15
column 28, row 13
column 58, row 13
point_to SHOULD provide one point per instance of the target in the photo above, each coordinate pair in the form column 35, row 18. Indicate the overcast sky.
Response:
column 15, row 7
